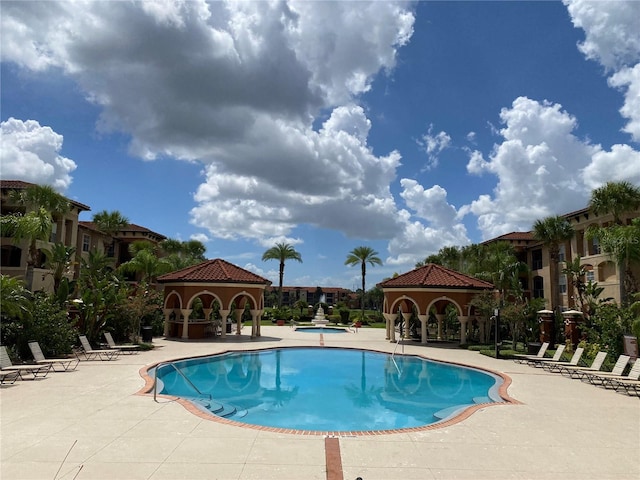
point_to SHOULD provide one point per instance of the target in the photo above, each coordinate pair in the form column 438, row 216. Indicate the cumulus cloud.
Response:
column 239, row 86
column 542, row 168
column 612, row 38
column 31, row 152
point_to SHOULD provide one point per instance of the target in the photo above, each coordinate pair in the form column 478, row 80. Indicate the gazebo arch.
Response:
column 232, row 287
column 431, row 287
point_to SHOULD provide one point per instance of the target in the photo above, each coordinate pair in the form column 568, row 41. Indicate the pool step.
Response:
column 482, row 400
column 447, row 412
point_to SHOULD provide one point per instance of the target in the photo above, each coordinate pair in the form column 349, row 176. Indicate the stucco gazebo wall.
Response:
column 179, row 297
column 426, row 299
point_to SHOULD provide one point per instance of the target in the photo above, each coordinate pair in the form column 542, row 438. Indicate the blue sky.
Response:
column 328, row 125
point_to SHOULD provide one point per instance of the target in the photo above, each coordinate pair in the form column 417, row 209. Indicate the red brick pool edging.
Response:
column 147, row 390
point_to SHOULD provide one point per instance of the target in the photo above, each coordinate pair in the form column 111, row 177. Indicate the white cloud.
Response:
column 612, row 38
column 31, row 152
column 238, row 86
column 622, row 163
column 433, row 145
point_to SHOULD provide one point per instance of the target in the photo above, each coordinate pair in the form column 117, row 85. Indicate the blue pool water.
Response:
column 328, row 389
column 320, row 330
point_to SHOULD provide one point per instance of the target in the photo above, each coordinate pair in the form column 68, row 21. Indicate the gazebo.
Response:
column 427, row 288
column 232, row 287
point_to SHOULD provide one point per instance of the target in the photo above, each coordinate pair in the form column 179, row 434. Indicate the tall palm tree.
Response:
column 41, row 204
column 110, row 223
column 182, row 254
column 281, row 252
column 145, row 261
column 552, row 232
column 361, row 256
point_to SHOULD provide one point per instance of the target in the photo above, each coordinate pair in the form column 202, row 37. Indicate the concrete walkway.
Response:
column 93, row 424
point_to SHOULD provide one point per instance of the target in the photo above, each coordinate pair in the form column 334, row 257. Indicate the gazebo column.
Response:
column 423, row 328
column 464, row 320
column 440, row 318
column 255, row 319
column 167, row 316
column 406, row 317
column 185, row 323
column 238, row 315
column 391, row 329
column 224, row 314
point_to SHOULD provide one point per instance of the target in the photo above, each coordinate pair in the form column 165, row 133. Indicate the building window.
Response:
column 562, row 252
column 536, row 259
column 562, row 284
column 54, row 233
column 11, row 256
column 86, row 243
column 538, row 287
column 590, row 276
column 595, row 247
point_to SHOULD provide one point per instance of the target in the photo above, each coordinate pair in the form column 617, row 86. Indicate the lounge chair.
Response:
column 525, row 358
column 24, row 371
column 90, row 354
column 600, row 378
column 129, row 349
column 576, row 371
column 539, row 362
column 612, row 381
column 630, row 382
column 556, row 366
column 8, row 377
column 57, row 364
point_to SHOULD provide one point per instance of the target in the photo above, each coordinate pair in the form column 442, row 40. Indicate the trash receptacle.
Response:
column 147, row 334
column 229, row 327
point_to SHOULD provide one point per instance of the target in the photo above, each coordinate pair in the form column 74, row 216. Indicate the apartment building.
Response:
column 311, row 295
column 599, row 266
column 68, row 230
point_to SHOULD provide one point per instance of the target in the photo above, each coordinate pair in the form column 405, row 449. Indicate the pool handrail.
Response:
column 155, row 379
column 394, row 354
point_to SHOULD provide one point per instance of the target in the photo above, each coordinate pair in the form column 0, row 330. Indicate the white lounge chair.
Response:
column 539, row 362
column 128, row 349
column 600, row 378
column 90, row 354
column 616, row 381
column 576, row 371
column 24, row 371
column 57, row 364
column 540, row 354
column 631, row 382
column 556, row 366
column 8, row 377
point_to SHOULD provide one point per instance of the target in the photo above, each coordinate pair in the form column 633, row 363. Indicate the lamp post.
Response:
column 496, row 316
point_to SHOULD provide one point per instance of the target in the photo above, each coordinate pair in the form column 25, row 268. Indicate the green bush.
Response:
column 47, row 323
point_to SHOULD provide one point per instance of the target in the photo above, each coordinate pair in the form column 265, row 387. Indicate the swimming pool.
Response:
column 328, row 389
column 321, row 329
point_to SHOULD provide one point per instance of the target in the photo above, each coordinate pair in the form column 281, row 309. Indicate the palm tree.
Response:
column 362, row 256
column 616, row 198
column 59, row 260
column 110, row 223
column 553, row 232
column 182, row 254
column 15, row 299
column 41, row 204
column 145, row 260
column 281, row 252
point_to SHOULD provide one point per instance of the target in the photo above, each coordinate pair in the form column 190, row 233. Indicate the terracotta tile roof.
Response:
column 432, row 275
column 132, row 227
column 512, row 236
column 20, row 185
column 213, row 271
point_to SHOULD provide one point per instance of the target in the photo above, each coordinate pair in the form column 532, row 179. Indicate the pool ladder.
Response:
column 394, row 353
column 189, row 382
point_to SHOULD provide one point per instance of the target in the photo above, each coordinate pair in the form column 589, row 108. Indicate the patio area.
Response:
column 92, row 423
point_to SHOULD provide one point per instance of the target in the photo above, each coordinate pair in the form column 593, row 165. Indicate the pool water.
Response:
column 328, row 389
column 320, row 330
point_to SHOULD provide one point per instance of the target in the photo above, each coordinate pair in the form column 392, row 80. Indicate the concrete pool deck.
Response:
column 93, row 424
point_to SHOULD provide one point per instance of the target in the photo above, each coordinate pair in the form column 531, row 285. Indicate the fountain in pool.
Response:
column 320, row 318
